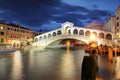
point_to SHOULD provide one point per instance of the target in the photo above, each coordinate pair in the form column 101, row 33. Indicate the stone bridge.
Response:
column 69, row 31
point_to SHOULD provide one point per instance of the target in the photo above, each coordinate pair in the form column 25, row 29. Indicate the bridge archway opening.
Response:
column 81, row 32
column 109, row 36
column 54, row 34
column 75, row 31
column 95, row 34
column 87, row 33
column 101, row 35
column 59, row 32
column 49, row 35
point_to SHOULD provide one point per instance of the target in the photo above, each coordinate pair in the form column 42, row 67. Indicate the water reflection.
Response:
column 17, row 66
column 89, row 68
column 67, row 67
column 117, row 68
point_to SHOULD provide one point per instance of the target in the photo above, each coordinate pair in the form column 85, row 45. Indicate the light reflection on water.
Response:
column 17, row 72
column 51, row 64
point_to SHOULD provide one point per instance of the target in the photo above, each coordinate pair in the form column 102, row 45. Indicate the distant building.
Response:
column 118, row 22
column 2, row 33
column 16, row 35
column 95, row 25
column 109, row 25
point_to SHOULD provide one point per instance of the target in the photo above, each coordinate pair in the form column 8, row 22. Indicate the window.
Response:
column 117, row 18
column 117, row 24
column 2, row 40
column 1, row 33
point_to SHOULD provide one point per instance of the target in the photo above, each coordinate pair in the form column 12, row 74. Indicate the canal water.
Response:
column 57, row 64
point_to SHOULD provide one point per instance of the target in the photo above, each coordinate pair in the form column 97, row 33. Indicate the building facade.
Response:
column 109, row 25
column 16, row 35
column 118, row 22
column 2, row 33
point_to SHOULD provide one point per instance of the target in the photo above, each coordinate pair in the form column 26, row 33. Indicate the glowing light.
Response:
column 68, row 46
column 92, row 36
column 1, row 27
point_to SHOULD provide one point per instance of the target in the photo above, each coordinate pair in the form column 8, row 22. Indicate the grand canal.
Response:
column 57, row 64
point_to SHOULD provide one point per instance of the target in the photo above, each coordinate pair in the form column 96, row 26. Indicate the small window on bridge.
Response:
column 54, row 33
column 40, row 38
column 87, row 33
column 109, row 36
column 59, row 32
column 81, row 32
column 75, row 31
column 101, row 35
column 36, row 39
column 49, row 35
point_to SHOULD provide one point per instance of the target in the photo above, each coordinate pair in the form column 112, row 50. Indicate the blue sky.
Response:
column 49, row 14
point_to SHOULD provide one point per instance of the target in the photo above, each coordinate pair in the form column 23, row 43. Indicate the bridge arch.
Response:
column 40, row 38
column 109, row 36
column 101, row 35
column 75, row 31
column 87, row 33
column 49, row 35
column 95, row 33
column 81, row 32
column 36, row 39
column 59, row 32
column 54, row 34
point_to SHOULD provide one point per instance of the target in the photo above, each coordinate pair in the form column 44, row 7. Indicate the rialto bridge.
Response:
column 69, row 31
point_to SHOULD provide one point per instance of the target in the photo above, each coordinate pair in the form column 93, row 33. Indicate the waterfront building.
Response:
column 109, row 25
column 18, row 36
column 15, row 35
column 118, row 22
column 2, row 33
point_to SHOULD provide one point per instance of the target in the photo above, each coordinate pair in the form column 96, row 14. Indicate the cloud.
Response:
column 41, row 13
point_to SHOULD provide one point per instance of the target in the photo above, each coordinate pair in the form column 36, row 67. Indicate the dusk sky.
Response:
column 49, row 14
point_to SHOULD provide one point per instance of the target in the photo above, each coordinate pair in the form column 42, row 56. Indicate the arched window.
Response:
column 59, row 32
column 109, row 36
column 101, row 35
column 75, row 31
column 95, row 34
column 40, row 38
column 54, row 33
column 81, row 32
column 87, row 33
column 36, row 39
column 45, row 37
column 49, row 35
